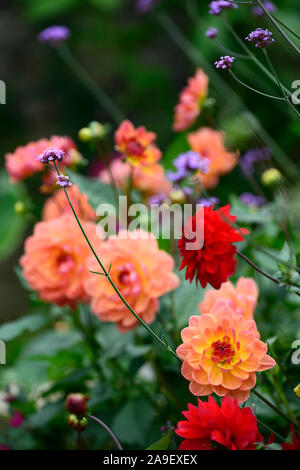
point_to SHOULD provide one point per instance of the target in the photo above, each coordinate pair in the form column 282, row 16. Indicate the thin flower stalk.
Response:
column 107, row 429
column 107, row 275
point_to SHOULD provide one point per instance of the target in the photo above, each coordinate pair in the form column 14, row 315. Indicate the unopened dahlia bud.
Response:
column 297, row 390
column 20, row 208
column 177, row 196
column 98, row 130
column 77, row 403
column 78, row 424
column 271, row 176
column 85, row 134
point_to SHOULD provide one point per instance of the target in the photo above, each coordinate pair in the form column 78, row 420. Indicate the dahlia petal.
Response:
column 266, row 363
column 199, row 389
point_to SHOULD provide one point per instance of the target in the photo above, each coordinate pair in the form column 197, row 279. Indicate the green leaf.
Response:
column 97, row 192
column 12, row 225
column 163, row 443
column 187, row 297
column 133, row 421
column 38, row 9
column 44, row 415
column 179, row 145
column 29, row 323
column 49, row 343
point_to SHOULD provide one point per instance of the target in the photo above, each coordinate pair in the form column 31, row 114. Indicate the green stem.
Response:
column 254, row 89
column 250, row 54
column 231, row 53
column 105, row 101
column 285, row 26
column 267, row 402
column 107, row 429
column 279, row 363
column 274, row 22
column 107, row 275
column 271, row 430
column 279, row 83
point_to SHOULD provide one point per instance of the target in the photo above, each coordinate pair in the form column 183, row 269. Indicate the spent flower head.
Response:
column 261, row 38
column 225, row 62
column 54, row 34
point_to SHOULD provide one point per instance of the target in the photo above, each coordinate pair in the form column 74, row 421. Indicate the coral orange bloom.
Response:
column 24, row 162
column 141, row 272
column 58, row 205
column 190, row 101
column 210, row 144
column 137, row 144
column 209, row 426
column 150, row 180
column 55, row 260
column 242, row 298
column 214, row 263
column 222, row 353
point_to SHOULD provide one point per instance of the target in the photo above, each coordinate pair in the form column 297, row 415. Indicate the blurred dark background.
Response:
column 140, row 61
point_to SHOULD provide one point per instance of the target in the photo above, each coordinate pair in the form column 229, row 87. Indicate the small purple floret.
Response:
column 63, row 181
column 216, row 7
column 258, row 11
column 207, row 202
column 261, row 38
column 252, row 157
column 252, row 200
column 143, row 6
column 225, row 62
column 54, row 34
column 211, row 33
column 157, row 199
column 186, row 163
column 51, row 155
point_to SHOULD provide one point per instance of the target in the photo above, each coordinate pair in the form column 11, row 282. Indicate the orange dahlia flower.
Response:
column 150, row 179
column 141, row 272
column 137, row 144
column 24, row 162
column 209, row 143
column 242, row 298
column 190, row 101
column 55, row 260
column 58, row 205
column 222, row 353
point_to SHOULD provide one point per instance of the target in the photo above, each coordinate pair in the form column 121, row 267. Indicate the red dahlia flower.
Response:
column 210, row 426
column 295, row 444
column 214, row 263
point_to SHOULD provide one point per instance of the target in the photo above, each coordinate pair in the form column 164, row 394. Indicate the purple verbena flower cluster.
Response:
column 51, row 155
column 252, row 200
column 225, row 62
column 54, row 34
column 216, row 7
column 157, row 199
column 261, row 38
column 207, row 202
column 253, row 156
column 185, row 164
column 63, row 181
column 258, row 11
column 211, row 33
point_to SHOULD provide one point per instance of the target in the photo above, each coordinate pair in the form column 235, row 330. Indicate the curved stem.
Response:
column 259, row 270
column 274, row 22
column 285, row 26
column 267, row 402
column 279, row 83
column 250, row 53
column 107, row 275
column 253, row 89
column 107, row 429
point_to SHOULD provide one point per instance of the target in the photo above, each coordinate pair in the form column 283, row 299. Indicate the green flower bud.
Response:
column 271, row 177
column 85, row 134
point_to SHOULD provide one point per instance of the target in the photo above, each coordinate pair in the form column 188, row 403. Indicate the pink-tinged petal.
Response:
column 239, row 373
column 200, row 376
column 239, row 395
column 221, row 307
column 200, row 390
column 183, row 350
column 266, row 363
column 187, row 371
column 249, row 383
column 250, row 364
